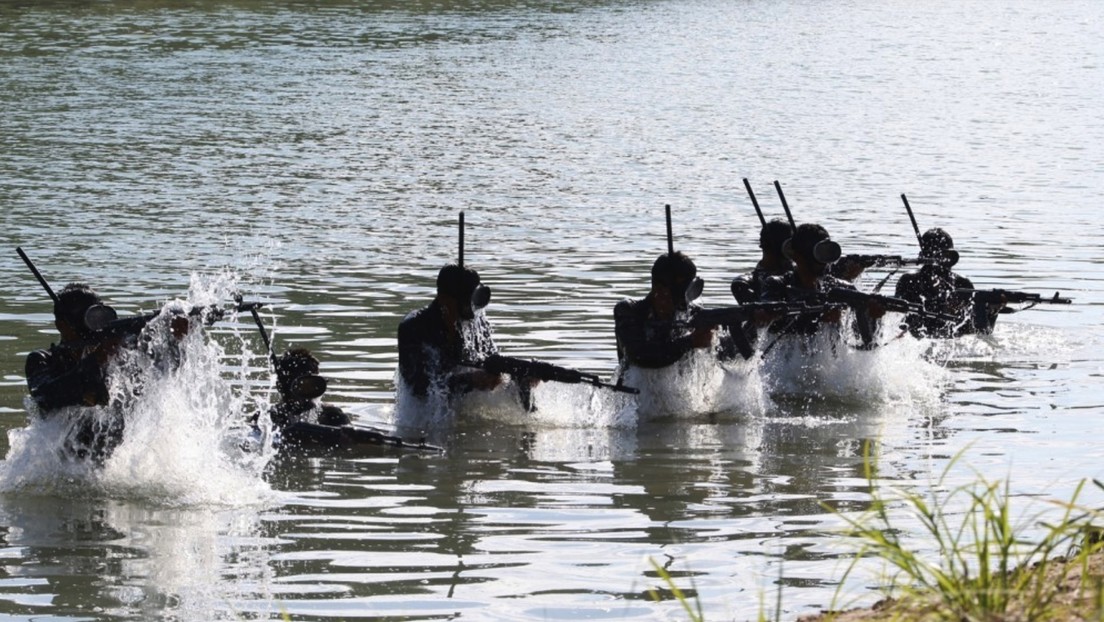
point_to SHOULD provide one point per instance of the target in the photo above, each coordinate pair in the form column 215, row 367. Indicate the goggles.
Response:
column 98, row 317
column 479, row 298
column 690, row 292
column 693, row 290
column 825, row 251
column 308, row 387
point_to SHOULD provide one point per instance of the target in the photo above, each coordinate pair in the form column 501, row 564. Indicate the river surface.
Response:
column 316, row 156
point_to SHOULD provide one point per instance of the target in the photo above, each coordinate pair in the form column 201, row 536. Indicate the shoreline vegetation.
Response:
column 1074, row 594
column 987, row 566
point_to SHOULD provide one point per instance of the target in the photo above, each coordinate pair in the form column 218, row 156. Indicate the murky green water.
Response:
column 321, row 152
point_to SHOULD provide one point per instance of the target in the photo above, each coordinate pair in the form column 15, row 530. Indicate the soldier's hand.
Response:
column 180, row 325
column 484, row 380
column 763, row 318
column 848, row 269
column 702, row 337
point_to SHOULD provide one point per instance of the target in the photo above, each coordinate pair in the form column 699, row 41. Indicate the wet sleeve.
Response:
column 636, row 348
column 79, row 385
column 412, row 364
column 905, row 288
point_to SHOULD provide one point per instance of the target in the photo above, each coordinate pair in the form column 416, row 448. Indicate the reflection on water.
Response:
column 320, row 153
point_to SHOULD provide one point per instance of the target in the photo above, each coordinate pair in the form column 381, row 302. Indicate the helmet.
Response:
column 678, row 273
column 464, row 286
column 937, row 244
column 812, row 242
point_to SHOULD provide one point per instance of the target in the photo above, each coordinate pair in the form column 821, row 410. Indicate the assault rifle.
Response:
column 526, row 368
column 734, row 316
column 984, row 317
column 858, row 301
column 105, row 323
column 994, row 296
column 885, row 261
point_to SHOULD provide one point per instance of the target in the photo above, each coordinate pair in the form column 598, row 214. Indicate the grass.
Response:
column 693, row 609
column 985, row 567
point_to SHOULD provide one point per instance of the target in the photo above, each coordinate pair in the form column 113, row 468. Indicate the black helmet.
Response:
column 678, row 273
column 937, row 244
column 297, row 375
column 774, row 234
column 73, row 303
column 812, row 242
column 463, row 285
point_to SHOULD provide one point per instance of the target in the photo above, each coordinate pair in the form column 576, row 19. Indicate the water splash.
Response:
column 698, row 386
column 185, row 423
column 823, row 366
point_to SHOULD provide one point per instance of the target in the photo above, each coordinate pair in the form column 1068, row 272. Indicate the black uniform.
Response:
column 934, row 287
column 808, row 324
column 429, row 352
column 644, row 340
column 67, row 375
column 755, row 285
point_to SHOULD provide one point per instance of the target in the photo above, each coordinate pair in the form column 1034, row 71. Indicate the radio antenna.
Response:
column 785, row 206
column 670, row 236
column 759, row 212
column 38, row 275
column 915, row 227
column 461, row 262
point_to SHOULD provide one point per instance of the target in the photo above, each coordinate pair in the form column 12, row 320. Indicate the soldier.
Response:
column 435, row 340
column 656, row 331
column 76, row 371
column 302, row 421
column 813, row 253
column 774, row 262
column 934, row 286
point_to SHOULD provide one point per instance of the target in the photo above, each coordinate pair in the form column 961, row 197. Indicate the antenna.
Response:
column 915, row 227
column 264, row 334
column 670, row 236
column 38, row 275
column 785, row 206
column 461, row 262
column 747, row 184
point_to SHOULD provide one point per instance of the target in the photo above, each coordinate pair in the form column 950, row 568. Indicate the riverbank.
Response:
column 1078, row 595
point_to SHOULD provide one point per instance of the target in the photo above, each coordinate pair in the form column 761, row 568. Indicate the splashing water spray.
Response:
column 183, row 422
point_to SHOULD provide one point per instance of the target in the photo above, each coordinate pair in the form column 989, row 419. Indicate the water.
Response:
column 320, row 153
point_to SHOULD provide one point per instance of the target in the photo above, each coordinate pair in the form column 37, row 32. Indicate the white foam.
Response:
column 697, row 386
column 824, row 366
column 184, row 427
